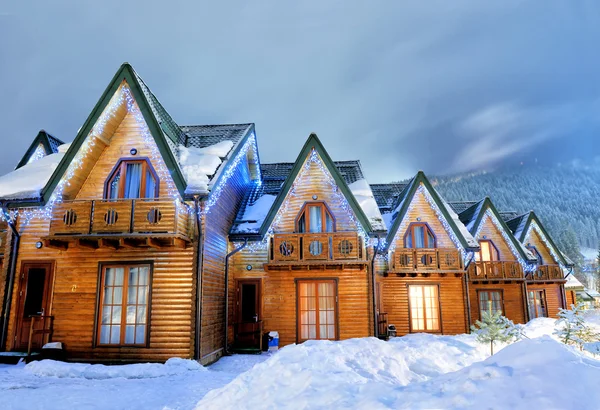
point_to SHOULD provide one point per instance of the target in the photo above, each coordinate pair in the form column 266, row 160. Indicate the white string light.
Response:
column 535, row 226
column 39, row 153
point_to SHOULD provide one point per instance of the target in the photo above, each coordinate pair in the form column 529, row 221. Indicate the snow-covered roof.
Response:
column 363, row 194
column 28, row 181
column 573, row 282
column 198, row 165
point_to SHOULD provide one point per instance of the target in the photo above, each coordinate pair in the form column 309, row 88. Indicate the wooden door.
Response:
column 248, row 332
column 317, row 310
column 35, row 292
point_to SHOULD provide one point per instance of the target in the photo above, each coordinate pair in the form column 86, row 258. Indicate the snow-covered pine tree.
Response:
column 496, row 328
column 571, row 328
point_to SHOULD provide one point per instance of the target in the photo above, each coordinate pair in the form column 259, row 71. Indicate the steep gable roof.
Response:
column 48, row 143
column 401, row 207
column 521, row 225
column 277, row 180
column 473, row 216
column 387, row 194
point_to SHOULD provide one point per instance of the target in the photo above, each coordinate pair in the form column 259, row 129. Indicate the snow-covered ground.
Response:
column 416, row 371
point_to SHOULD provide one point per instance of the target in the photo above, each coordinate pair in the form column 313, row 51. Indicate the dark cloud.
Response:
column 440, row 86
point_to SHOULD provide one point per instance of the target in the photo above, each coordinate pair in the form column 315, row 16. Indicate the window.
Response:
column 488, row 251
column 490, row 301
column 132, row 179
column 317, row 309
column 536, row 253
column 537, row 304
column 124, row 305
column 419, row 236
column 424, row 308
column 315, row 217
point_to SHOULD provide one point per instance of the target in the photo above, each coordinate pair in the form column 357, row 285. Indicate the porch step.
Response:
column 14, row 357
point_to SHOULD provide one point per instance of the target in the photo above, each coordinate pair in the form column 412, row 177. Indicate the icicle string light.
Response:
column 39, row 153
column 534, row 226
column 527, row 267
column 230, row 169
column 122, row 96
column 405, row 221
column 313, row 158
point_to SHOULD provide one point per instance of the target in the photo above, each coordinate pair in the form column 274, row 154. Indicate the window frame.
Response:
column 324, row 211
column 122, row 166
column 533, row 249
column 99, row 303
column 501, row 291
column 493, row 247
column 410, row 230
column 541, row 292
column 440, row 329
column 297, row 282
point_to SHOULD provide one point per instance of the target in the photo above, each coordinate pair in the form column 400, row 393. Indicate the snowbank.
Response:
column 52, row 368
column 418, row 371
column 199, row 164
column 28, row 181
column 364, row 195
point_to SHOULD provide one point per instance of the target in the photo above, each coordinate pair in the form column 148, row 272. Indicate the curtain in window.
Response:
column 133, row 179
column 114, row 186
column 316, row 223
column 150, row 185
column 419, row 237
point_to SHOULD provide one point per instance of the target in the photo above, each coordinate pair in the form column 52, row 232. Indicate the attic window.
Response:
column 132, row 179
column 488, row 251
column 315, row 217
column 419, row 235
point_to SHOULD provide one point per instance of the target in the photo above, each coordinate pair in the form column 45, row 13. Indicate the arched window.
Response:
column 536, row 253
column 132, row 178
column 419, row 236
column 315, row 217
column 488, row 251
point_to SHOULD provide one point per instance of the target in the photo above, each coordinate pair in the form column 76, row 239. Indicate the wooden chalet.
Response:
column 115, row 243
column 422, row 285
column 303, row 266
column 545, row 284
column 496, row 275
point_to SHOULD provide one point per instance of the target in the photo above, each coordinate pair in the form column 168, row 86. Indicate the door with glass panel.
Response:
column 33, row 301
column 132, row 179
column 124, row 305
column 317, row 309
column 536, row 300
column 424, row 307
column 490, row 301
column 315, row 218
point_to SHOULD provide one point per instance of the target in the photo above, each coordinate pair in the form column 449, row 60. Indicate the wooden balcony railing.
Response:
column 307, row 247
column 123, row 216
column 424, row 260
column 547, row 272
column 495, row 270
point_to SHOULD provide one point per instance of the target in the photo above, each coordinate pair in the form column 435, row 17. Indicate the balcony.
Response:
column 316, row 248
column 119, row 223
column 426, row 260
column 546, row 273
column 495, row 270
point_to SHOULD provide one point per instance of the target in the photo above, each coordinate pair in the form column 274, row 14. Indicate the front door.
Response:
column 248, row 332
column 35, row 290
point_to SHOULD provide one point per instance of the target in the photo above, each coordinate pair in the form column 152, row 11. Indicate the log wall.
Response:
column 512, row 294
column 554, row 297
column 489, row 231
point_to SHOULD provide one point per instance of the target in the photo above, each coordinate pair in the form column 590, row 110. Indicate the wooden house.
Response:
column 117, row 241
column 496, row 275
column 423, row 284
column 302, row 265
column 545, row 284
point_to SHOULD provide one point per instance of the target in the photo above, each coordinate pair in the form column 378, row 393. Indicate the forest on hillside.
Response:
column 565, row 197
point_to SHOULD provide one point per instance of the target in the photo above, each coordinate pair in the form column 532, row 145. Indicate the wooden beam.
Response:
column 86, row 243
column 108, row 243
column 153, row 243
column 56, row 244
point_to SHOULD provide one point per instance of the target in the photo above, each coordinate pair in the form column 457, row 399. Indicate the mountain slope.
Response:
column 565, row 197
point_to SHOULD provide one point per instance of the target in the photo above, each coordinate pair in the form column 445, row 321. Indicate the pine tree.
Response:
column 496, row 328
column 572, row 329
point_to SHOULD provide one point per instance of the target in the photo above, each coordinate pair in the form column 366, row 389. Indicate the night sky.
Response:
column 446, row 87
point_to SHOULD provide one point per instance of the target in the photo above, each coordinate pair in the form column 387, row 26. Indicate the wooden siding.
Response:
column 216, row 225
column 512, row 294
column 75, row 292
column 490, row 232
column 534, row 239
column 422, row 209
column 126, row 136
column 452, row 302
column 279, row 296
column 571, row 298
column 554, row 297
